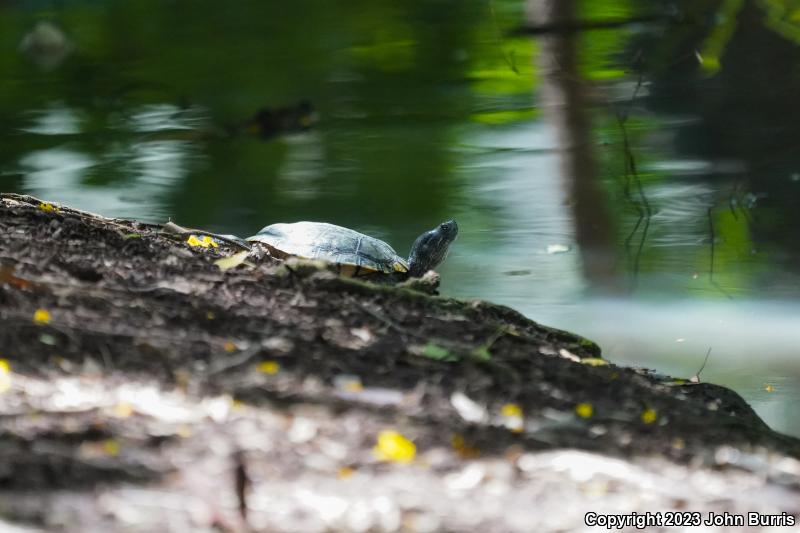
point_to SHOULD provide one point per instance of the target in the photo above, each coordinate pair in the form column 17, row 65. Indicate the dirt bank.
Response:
column 144, row 388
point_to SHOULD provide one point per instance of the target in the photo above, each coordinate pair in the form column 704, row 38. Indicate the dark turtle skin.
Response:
column 269, row 122
column 356, row 254
column 430, row 248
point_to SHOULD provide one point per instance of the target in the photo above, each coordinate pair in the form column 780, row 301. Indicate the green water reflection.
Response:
column 431, row 110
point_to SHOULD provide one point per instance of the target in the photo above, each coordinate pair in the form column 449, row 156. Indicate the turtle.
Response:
column 356, row 254
column 269, row 122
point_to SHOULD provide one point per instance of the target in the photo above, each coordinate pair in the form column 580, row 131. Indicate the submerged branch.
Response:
column 642, row 205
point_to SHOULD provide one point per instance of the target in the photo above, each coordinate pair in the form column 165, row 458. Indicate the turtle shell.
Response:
column 356, row 254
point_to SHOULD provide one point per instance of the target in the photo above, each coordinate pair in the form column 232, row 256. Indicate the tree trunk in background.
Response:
column 564, row 104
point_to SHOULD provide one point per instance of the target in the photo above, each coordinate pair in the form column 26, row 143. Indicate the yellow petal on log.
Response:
column 226, row 263
column 269, row 367
column 649, row 416
column 111, row 447
column 48, row 207
column 203, row 242
column 123, row 410
column 345, row 472
column 594, row 361
column 512, row 417
column 41, row 316
column 5, row 376
column 511, row 409
column 194, row 241
column 209, row 242
column 394, row 447
column 584, row 410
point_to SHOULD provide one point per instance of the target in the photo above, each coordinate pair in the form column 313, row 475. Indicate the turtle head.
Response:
column 430, row 248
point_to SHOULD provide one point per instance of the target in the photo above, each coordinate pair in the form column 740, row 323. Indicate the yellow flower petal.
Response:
column 41, row 316
column 392, row 446
column 5, row 376
column 208, row 241
column 512, row 417
column 649, row 416
column 345, row 472
column 354, row 386
column 123, row 410
column 768, row 387
column 594, row 361
column 584, row 410
column 268, row 367
column 111, row 447
column 203, row 242
column 48, row 207
column 229, row 347
column 511, row 409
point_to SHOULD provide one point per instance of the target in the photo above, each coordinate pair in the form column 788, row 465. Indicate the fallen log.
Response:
column 143, row 387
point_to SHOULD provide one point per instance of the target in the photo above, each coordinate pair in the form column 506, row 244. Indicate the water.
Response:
column 430, row 110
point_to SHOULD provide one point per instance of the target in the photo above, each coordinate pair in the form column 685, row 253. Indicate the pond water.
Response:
column 432, row 110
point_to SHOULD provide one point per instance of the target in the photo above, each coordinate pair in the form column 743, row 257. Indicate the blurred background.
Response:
column 637, row 183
